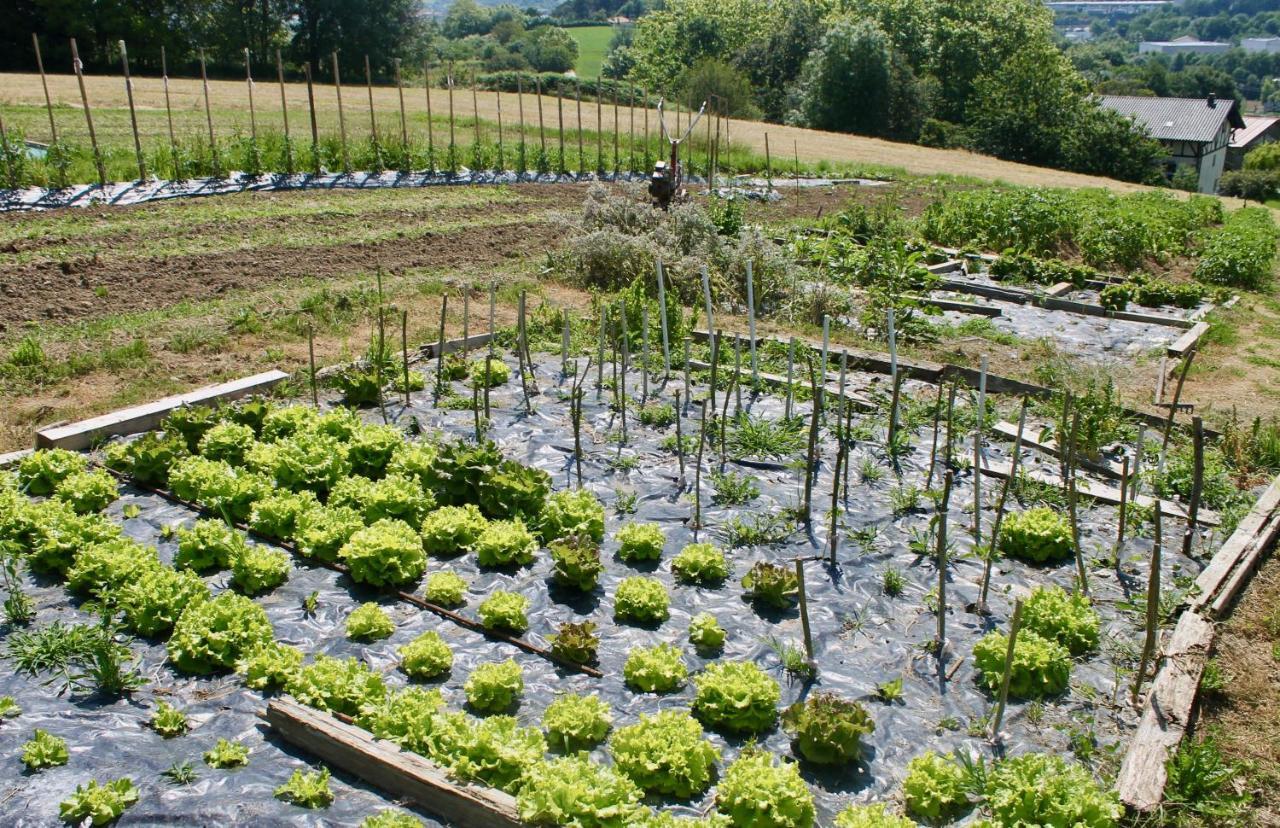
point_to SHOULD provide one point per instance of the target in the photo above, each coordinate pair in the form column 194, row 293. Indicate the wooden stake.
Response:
column 521, row 345
column 444, row 311
column 1003, row 698
column 622, row 388
column 453, row 144
column 404, row 123
column 342, row 120
column 706, row 297
column 88, row 114
column 475, row 107
column 1177, row 396
column 751, row 326
column 208, row 115
column 253, row 114
column 500, row 164
column 942, row 562
column 810, row 456
column 1153, row 606
column 768, row 165
column 542, row 132
column 804, row 606
column 44, row 83
column 315, row 129
column 662, row 313
column 1081, row 574
column 715, row 366
column 522, row 156
column 561, row 167
column 373, row 118
column 564, row 344
column 1124, row 507
column 737, row 373
column 8, row 156
column 894, row 400
column 697, row 474
column 582, row 158
column 679, row 436
column 989, row 557
column 644, row 353
column 133, row 115
column 493, row 336
column 284, row 112
column 311, row 352
column 1197, row 484
column 977, row 455
column 604, row 324
column 466, row 323
column 616, row 159
column 933, row 452
column 832, row 534
column 688, row 386
column 1137, row 462
column 631, row 131
column 431, row 135
column 951, row 411
column 600, row 127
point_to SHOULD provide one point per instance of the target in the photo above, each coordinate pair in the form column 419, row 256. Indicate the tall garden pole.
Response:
column 1153, row 604
column 453, row 145
column 706, row 294
column 373, row 118
column 542, row 131
column 404, row 352
column 818, row 388
column 1003, row 698
column 1124, row 508
column 644, row 101
column 284, row 112
column 616, row 159
column 989, row 557
column 662, row 311
column 791, row 394
column 600, row 129
column 604, row 325
column 208, row 115
column 933, row 451
column 631, row 131
column 404, row 123
column 644, row 353
column 1177, row 396
column 977, row 455
column 1197, row 484
column 88, row 115
column 342, row 119
column 751, row 327
column 768, row 165
column 582, row 158
column 253, row 114
column 1137, row 462
column 44, row 83
column 315, row 129
column 561, row 166
column 804, row 605
column 697, row 473
column 431, row 132
column 311, row 353
column 942, row 561
column 11, row 173
column 133, row 115
column 499, row 162
column 475, row 107
column 522, row 158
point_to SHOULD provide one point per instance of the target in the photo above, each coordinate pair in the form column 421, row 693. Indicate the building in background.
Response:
column 1256, row 132
column 1269, row 45
column 1195, row 131
column 1185, row 45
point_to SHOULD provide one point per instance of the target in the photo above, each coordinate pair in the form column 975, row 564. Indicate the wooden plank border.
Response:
column 1188, row 341
column 84, row 434
column 13, row 458
column 1236, row 552
column 384, row 765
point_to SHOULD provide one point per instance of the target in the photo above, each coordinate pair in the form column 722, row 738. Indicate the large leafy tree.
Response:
column 382, row 29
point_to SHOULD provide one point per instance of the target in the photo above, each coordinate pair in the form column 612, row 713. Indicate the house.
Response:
column 1194, row 131
column 1185, row 45
column 1256, row 132
column 1269, row 45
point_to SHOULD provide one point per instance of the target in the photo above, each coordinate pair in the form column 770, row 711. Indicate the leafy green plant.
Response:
column 88, row 491
column 657, row 414
column 369, row 622
column 514, row 491
column 100, row 804
column 307, row 790
column 276, row 515
column 577, row 722
column 208, row 544
column 227, row 754
column 426, row 657
column 40, row 472
column 388, row 553
column 1041, row 667
column 256, row 569
column 407, row 717
column 190, row 422
column 391, row 818
column 760, row 529
column 227, row 441
column 641, row 600
column 705, row 633
column 370, row 448
column 736, row 697
column 494, row 687
column 270, row 666
column 871, row 816
column 216, row 485
column 342, row 685
column 322, row 533
column 657, row 669
column 827, row 729
column 312, row 461
column 575, row 512
column 756, row 790
column 773, row 585
column 180, row 773
column 1201, row 787
column 575, row 642
column 446, row 588
column 9, row 709
column 573, row 790
column 212, row 635
column 576, row 562
column 733, row 489
column 396, row 498
column 44, row 750
column 701, row 563
column 489, row 372
column 640, row 542
column 167, row 720
column 506, row 543
column 666, row 754
column 1068, row 619
column 504, row 610
column 936, row 789
column 892, row 582
column 758, row 437
column 1037, row 535
column 452, row 530
column 1043, row 789
column 107, row 566
column 148, row 458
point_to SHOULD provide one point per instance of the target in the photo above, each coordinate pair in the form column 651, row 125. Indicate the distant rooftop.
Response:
column 1177, row 119
column 1253, row 127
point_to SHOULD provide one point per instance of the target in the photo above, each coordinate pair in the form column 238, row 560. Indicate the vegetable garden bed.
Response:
column 872, row 615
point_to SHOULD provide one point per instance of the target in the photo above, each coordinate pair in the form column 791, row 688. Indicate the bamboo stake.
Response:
column 542, row 133
column 1137, row 462
column 284, row 112
column 342, row 120
column 1124, row 507
column 662, row 313
column 977, row 455
column 679, row 436
column 697, row 474
column 1003, row 698
column 804, row 607
column 500, row 165
column 44, row 83
column 737, row 373
column 311, row 353
column 315, row 129
column 941, row 555
column 1197, row 484
column 444, row 311
column 951, row 411
column 751, row 326
column 431, row 132
column 631, row 131
column 253, row 115
column 404, row 352
column 493, row 335
column 810, row 458
column 564, row 344
column 933, row 452
column 644, row 95
column 133, row 114
column 404, row 123
column 88, row 114
column 989, row 557
column 894, row 400
column 715, row 366
column 1153, row 605
column 373, row 119
column 791, row 391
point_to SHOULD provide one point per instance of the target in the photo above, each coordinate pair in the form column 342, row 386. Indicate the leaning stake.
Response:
column 804, row 610
column 1003, row 698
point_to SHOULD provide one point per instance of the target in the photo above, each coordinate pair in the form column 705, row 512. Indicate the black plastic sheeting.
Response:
column 862, row 637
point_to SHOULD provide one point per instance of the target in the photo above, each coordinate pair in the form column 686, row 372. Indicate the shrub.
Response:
column 576, row 562
column 577, row 722
column 1242, row 252
column 208, row 544
column 489, row 372
column 227, row 754
column 575, row 512
column 88, row 491
column 259, row 568
column 494, row 687
column 701, row 563
column 212, row 635
column 44, row 750
column 1251, row 185
column 270, row 666
column 41, row 471
column 1040, row 789
column 426, row 656
column 1038, row 535
column 705, row 632
column 936, row 788
column 641, row 600
column 1068, row 619
column 573, row 790
column 322, row 533
column 575, row 642
column 452, row 530
column 1040, row 667
column 227, row 441
column 506, row 543
column 773, row 585
column 307, row 790
column 504, row 610
column 759, row 792
column 152, row 600
column 827, row 729
column 737, row 697
column 658, row 669
column 100, row 804
column 168, row 721
column 640, row 542
column 369, row 622
column 388, row 553
column 340, row 685
column 666, row 754
column 871, row 816
column 446, row 588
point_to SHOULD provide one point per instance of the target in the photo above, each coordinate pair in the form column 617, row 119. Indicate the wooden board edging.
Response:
column 84, row 434
column 384, row 765
column 1235, row 551
column 13, row 458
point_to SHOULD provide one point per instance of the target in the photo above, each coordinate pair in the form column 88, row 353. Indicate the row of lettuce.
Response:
column 340, row 489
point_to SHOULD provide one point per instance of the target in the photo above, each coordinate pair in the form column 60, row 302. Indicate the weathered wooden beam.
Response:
column 1003, row 294
column 1060, row 289
column 1054, row 302
column 1188, row 340
column 428, row 351
column 949, row 266
column 12, row 458
column 1165, row 714
column 1238, row 554
column 959, row 307
column 384, row 765
column 86, row 433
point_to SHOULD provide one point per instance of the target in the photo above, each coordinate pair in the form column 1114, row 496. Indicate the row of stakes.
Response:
column 613, row 327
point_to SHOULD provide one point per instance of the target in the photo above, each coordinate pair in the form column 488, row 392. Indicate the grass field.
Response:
column 593, row 42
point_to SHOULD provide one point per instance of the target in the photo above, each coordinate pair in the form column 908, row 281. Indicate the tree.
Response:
column 772, row 63
column 1023, row 112
column 710, row 77
column 381, row 29
column 466, row 17
column 548, row 49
